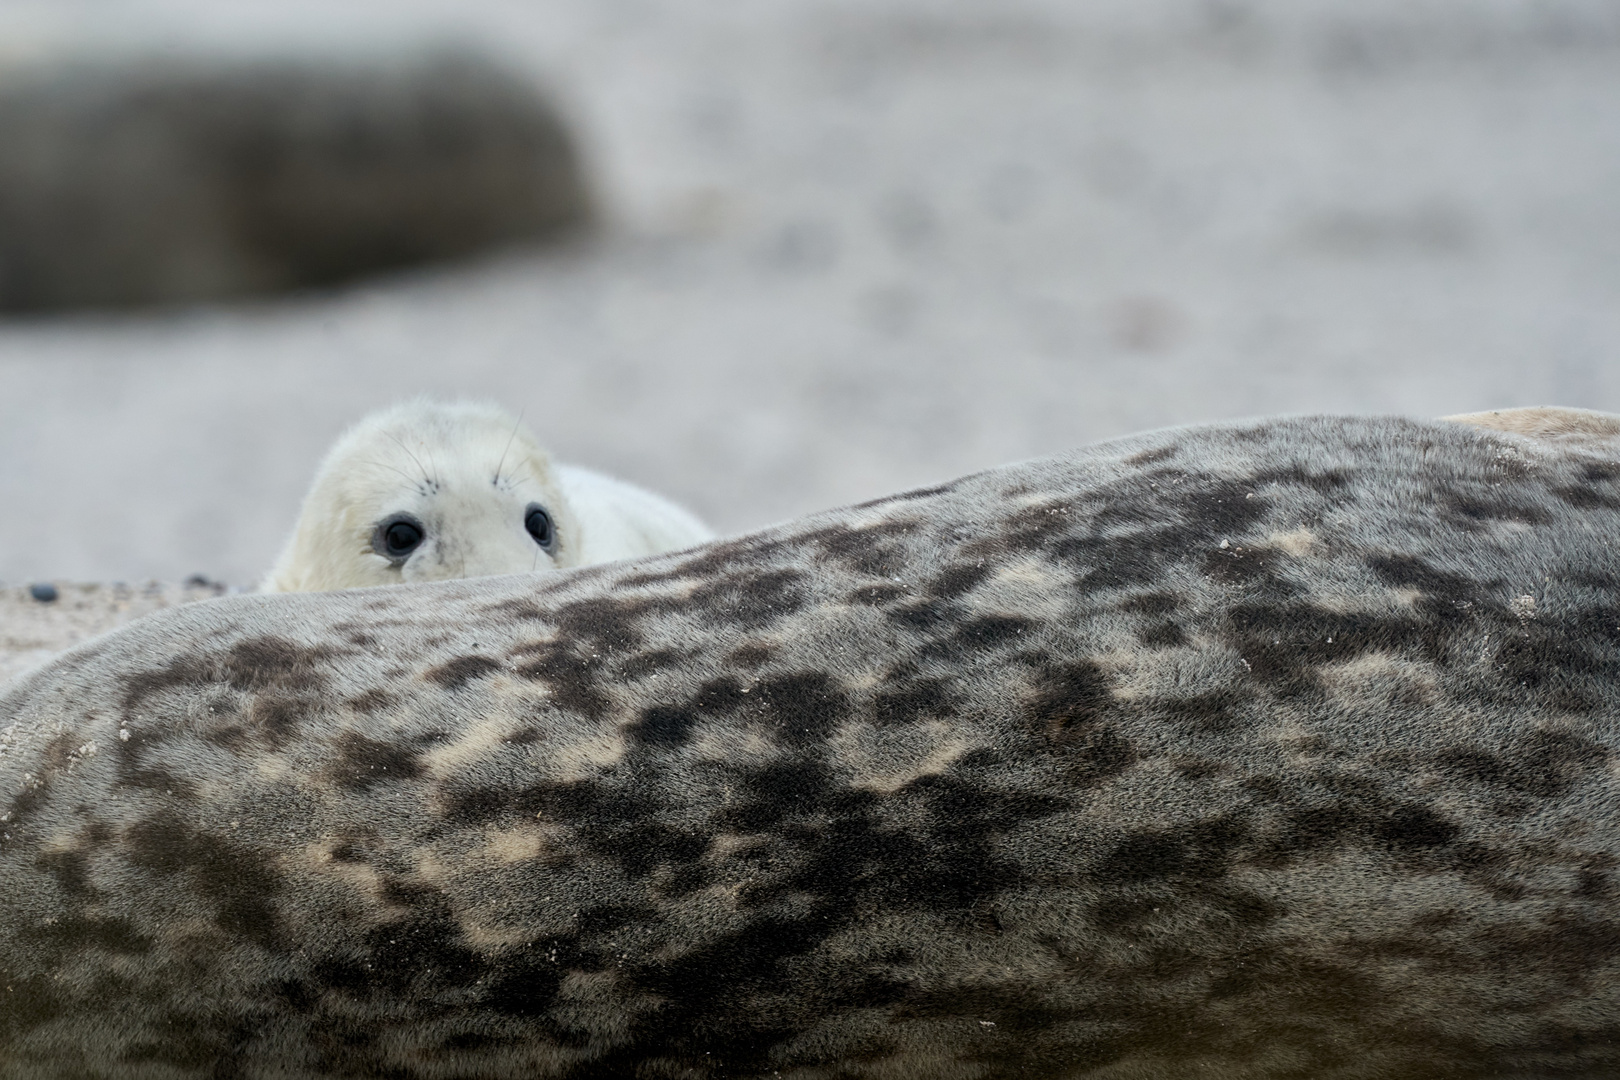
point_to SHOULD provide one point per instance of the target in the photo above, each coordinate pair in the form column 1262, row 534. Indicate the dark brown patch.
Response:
column 1164, row 635
column 569, row 673
column 241, row 881
column 1151, row 457
column 914, row 494
column 803, row 707
column 755, row 654
column 457, row 673
column 958, row 580
column 373, row 700
column 910, row 701
column 865, row 550
column 652, row 662
column 363, row 762
column 1069, row 699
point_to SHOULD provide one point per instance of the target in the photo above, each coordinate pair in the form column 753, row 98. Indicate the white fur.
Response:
column 621, row 521
column 468, row 473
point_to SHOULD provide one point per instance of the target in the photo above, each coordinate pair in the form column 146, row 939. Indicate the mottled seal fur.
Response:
column 463, row 478
column 1286, row 749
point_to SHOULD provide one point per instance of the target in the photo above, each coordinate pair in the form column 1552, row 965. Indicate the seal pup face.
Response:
column 424, row 492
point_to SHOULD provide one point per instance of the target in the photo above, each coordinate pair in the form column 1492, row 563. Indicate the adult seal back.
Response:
column 1265, row 750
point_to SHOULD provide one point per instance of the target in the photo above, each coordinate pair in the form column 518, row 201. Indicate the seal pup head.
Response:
column 427, row 491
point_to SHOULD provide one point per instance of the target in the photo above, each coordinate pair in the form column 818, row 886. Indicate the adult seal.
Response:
column 1265, row 750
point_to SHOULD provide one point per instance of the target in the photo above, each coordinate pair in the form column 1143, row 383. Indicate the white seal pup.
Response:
column 428, row 491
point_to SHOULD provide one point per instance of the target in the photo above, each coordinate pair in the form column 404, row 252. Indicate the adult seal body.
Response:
column 1270, row 750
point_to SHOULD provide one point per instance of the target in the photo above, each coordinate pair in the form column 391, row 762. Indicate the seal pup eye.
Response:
column 538, row 522
column 398, row 536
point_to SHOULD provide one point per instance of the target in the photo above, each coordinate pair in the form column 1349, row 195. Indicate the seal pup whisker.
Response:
column 507, row 448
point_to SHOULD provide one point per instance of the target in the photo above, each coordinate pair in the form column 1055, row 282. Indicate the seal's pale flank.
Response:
column 428, row 491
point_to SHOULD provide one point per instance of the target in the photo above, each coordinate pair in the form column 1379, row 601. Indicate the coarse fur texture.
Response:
column 1275, row 750
column 466, row 474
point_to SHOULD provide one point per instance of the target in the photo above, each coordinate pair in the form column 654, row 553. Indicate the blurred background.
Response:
column 785, row 254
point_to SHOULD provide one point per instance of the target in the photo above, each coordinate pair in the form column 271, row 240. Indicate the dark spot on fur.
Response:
column 114, row 935
column 752, row 600
column 272, row 663
column 284, row 678
column 362, row 763
column 71, row 869
column 349, row 851
column 1151, row 457
column 1417, row 826
column 926, row 616
column 713, row 560
column 271, row 721
column 1132, row 541
column 1325, row 482
column 913, row 495
column 420, row 956
column 240, row 881
column 1588, row 497
column 1097, row 754
column 805, row 706
column 651, row 662
column 373, row 700
column 457, row 673
column 720, row 695
column 978, row 635
column 1244, row 566
column 1204, row 849
column 1214, row 712
column 1192, row 768
column 1164, row 635
column 663, row 726
column 1468, row 511
column 1407, row 571
column 185, row 672
column 524, row 609
column 1033, row 527
column 1068, row 700
column 569, row 673
column 958, row 580
column 1286, row 645
column 57, row 755
column 755, row 654
column 865, row 550
column 134, row 770
column 526, row 987
column 1546, row 764
column 913, row 701
column 669, row 726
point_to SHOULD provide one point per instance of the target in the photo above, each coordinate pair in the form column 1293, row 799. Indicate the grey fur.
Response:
column 1276, row 750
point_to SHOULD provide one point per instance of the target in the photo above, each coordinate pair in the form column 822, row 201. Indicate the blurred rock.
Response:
column 158, row 179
